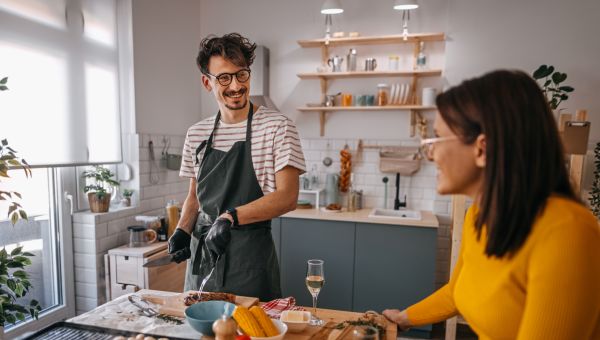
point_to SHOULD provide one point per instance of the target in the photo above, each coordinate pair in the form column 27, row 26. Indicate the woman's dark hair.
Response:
column 232, row 47
column 524, row 155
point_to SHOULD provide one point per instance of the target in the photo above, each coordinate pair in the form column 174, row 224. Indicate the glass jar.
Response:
column 383, row 93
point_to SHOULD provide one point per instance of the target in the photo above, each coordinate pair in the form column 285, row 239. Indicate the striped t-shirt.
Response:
column 275, row 144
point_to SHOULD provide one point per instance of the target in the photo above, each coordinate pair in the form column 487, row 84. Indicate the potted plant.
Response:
column 126, row 201
column 100, row 190
column 550, row 84
column 14, row 280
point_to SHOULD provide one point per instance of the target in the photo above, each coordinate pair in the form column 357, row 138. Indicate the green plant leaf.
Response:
column 28, row 254
column 20, row 274
column 11, row 318
column 14, row 218
column 11, row 284
column 558, row 77
column 16, row 251
column 22, row 259
column 3, row 88
column 15, row 264
column 20, row 316
column 4, row 142
column 3, row 81
column 540, row 72
column 566, row 88
column 23, row 214
column 564, row 97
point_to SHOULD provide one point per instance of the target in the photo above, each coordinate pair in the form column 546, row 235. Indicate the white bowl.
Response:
column 296, row 326
column 282, row 327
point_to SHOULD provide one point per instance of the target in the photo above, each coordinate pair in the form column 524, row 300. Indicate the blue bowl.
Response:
column 202, row 315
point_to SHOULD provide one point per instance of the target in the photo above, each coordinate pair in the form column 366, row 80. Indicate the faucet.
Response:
column 397, row 203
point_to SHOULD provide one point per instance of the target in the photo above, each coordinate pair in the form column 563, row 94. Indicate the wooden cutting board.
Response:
column 174, row 305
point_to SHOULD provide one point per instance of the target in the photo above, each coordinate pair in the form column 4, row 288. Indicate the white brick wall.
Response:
column 419, row 188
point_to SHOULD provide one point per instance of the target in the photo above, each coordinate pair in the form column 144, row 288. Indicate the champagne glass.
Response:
column 315, row 278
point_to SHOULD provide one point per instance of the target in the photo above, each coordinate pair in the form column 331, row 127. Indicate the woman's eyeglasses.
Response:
column 225, row 79
column 427, row 145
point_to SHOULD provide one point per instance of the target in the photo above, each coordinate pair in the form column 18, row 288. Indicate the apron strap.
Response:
column 208, row 143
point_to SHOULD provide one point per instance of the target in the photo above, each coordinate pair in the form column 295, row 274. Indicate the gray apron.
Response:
column 225, row 180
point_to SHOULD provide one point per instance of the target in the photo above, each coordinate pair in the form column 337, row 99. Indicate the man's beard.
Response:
column 243, row 91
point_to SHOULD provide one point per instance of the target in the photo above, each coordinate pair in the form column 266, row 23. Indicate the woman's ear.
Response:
column 480, row 151
column 206, row 83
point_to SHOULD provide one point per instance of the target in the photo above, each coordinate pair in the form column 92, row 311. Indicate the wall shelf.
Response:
column 383, row 39
column 369, row 74
column 364, row 108
column 417, row 122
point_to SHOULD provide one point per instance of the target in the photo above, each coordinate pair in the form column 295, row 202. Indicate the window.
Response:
column 62, row 61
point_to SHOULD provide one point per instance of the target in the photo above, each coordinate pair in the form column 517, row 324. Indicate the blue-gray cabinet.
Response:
column 333, row 242
column 368, row 266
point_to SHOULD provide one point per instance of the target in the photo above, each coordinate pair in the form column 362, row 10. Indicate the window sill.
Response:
column 114, row 212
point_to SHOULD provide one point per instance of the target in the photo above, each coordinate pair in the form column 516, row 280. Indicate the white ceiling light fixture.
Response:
column 401, row 5
column 329, row 8
column 332, row 7
column 406, row 6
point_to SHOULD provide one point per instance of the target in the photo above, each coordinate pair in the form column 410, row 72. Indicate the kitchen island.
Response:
column 122, row 315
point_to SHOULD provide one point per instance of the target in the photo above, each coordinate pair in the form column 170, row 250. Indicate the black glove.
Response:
column 179, row 241
column 218, row 238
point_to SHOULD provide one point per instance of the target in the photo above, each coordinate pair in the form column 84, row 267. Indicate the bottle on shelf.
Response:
column 162, row 231
column 421, row 63
column 313, row 178
column 351, row 65
column 383, row 91
column 351, row 197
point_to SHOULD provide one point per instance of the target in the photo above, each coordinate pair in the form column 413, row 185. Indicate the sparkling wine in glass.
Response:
column 315, row 278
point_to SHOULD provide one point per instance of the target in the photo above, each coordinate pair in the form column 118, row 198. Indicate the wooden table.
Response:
column 120, row 314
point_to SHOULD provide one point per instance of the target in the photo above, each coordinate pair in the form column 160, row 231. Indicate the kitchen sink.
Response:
column 401, row 214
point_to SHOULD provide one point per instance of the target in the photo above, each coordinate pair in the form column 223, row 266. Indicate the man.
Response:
column 244, row 165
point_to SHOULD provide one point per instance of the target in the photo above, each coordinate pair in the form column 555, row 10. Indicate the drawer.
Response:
column 127, row 270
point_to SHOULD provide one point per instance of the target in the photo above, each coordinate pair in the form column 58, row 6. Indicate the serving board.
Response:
column 174, row 305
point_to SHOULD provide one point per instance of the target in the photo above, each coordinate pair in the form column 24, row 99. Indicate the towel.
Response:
column 275, row 307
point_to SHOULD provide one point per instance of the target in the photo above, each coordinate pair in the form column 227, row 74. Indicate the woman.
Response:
column 529, row 263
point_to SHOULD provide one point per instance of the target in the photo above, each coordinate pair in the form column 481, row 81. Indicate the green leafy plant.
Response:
column 14, row 280
column 14, row 284
column 550, row 83
column 102, row 178
column 127, row 193
column 595, row 192
column 9, row 159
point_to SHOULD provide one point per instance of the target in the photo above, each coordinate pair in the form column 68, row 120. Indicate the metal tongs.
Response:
column 143, row 306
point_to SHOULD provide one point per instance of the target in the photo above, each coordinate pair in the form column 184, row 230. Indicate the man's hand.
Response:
column 218, row 237
column 179, row 241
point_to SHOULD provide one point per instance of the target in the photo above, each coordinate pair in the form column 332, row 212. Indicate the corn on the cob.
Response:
column 247, row 322
column 265, row 322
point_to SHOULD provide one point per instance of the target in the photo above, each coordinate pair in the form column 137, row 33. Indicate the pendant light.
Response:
column 405, row 6
column 330, row 7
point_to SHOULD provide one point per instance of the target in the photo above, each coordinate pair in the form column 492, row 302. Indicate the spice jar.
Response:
column 172, row 217
column 383, row 91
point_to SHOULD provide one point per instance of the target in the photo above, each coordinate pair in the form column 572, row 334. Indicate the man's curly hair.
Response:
column 232, row 47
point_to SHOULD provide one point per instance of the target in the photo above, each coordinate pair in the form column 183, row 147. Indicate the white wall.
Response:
column 167, row 82
column 482, row 35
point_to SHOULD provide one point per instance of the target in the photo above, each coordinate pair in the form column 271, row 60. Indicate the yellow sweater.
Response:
column 549, row 289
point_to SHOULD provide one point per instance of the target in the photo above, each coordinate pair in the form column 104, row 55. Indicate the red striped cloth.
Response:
column 275, row 307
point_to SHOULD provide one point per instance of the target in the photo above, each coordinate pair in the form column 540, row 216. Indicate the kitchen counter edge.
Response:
column 428, row 218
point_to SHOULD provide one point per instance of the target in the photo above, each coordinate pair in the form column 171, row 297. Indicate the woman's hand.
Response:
column 398, row 317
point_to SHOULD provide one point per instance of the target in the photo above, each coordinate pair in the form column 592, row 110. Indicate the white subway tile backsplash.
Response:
column 86, row 290
column 84, row 246
column 85, row 275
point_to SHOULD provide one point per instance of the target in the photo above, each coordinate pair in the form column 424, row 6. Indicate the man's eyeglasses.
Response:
column 427, row 144
column 225, row 79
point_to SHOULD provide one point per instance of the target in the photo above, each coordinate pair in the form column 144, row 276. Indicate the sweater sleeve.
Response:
column 440, row 305
column 563, row 299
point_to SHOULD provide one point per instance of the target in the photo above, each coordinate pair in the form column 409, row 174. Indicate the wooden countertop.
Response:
column 428, row 219
column 120, row 314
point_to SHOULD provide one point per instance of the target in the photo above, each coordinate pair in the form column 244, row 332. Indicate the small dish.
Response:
column 200, row 316
column 295, row 326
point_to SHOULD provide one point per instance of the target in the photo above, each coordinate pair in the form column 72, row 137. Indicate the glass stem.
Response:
column 315, row 306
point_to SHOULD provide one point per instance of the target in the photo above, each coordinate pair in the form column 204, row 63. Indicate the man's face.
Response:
column 233, row 96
